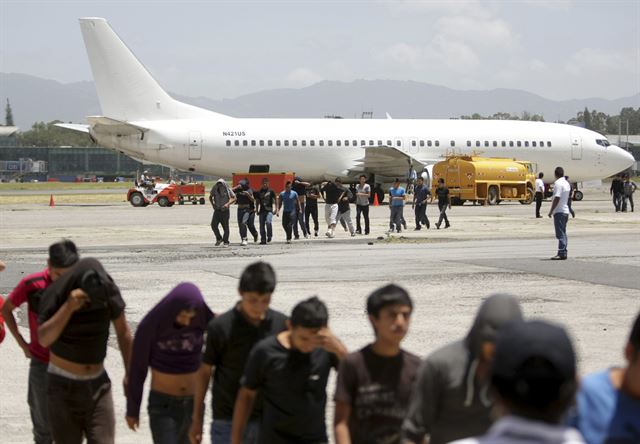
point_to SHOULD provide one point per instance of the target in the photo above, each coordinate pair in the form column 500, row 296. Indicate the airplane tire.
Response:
column 163, row 201
column 578, row 195
column 492, row 195
column 137, row 200
column 201, row 201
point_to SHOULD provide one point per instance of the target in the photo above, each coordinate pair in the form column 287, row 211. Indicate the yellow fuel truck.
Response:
column 485, row 179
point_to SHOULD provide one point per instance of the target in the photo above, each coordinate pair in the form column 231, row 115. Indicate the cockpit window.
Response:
column 603, row 142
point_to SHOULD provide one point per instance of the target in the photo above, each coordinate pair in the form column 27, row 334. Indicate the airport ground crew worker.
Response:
column 363, row 193
column 420, row 198
column 311, row 208
column 539, row 194
column 397, row 196
column 266, row 201
column 221, row 198
column 444, row 202
column 246, row 211
column 290, row 205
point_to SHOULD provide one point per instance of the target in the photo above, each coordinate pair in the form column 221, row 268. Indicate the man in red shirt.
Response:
column 62, row 255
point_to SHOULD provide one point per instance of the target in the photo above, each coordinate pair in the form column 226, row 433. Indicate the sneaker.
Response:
column 447, row 226
column 269, row 240
column 559, row 258
column 404, row 224
column 244, row 243
column 218, row 243
column 358, row 231
column 331, row 235
column 417, row 228
column 328, row 233
column 255, row 238
column 538, row 217
column 226, row 245
column 428, row 225
column 297, row 237
column 353, row 234
column 438, row 226
column 315, row 234
column 263, row 242
column 306, row 236
column 398, row 230
column 288, row 241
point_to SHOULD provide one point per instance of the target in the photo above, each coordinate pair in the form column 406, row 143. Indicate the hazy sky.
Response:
column 221, row 49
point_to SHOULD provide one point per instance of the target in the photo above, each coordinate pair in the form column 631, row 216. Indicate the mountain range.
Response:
column 35, row 99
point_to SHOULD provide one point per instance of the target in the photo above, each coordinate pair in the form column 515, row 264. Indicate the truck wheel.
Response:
column 163, row 201
column 578, row 195
column 530, row 194
column 492, row 195
column 136, row 199
column 201, row 201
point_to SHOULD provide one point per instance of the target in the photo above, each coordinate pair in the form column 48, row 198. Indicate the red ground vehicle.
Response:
column 276, row 180
column 166, row 195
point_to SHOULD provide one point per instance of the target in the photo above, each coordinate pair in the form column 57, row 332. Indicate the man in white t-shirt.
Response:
column 539, row 193
column 560, row 211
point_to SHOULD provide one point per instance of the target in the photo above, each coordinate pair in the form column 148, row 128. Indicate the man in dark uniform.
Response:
column 420, row 196
column 444, row 202
column 266, row 201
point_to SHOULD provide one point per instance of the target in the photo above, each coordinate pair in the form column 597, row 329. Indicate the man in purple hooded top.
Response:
column 169, row 339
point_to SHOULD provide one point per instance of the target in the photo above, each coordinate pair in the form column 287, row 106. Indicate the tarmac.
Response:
column 504, row 248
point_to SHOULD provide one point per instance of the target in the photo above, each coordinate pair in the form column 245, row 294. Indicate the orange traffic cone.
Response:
column 375, row 200
column 51, row 202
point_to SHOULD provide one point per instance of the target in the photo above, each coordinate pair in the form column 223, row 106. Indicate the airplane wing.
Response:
column 106, row 125
column 386, row 161
column 80, row 127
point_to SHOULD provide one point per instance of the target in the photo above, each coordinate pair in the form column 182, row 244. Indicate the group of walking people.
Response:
column 509, row 380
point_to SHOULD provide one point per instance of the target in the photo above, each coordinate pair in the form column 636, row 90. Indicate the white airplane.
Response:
column 141, row 120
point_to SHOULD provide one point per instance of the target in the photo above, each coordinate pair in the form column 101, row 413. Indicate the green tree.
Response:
column 47, row 134
column 586, row 118
column 8, row 115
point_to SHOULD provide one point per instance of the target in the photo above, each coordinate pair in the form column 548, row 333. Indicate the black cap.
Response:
column 533, row 361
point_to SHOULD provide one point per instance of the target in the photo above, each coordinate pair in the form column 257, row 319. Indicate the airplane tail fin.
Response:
column 125, row 88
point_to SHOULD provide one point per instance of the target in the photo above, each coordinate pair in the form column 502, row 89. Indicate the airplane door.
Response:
column 195, row 145
column 576, row 147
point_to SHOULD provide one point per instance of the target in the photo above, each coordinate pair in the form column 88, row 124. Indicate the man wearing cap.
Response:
column 450, row 398
column 608, row 403
column 560, row 212
column 534, row 379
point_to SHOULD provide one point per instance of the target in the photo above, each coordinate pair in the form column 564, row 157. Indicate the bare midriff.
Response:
column 75, row 367
column 183, row 384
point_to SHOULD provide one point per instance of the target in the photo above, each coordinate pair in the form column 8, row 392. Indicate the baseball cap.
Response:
column 533, row 362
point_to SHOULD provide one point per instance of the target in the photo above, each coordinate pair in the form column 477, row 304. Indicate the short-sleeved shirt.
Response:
column 363, row 200
column 539, row 186
column 332, row 193
column 293, row 386
column 299, row 188
column 230, row 338
column 289, row 199
column 84, row 338
column 315, row 192
column 397, row 192
column 604, row 414
column 244, row 196
column 378, row 389
column 443, row 194
column 422, row 192
column 561, row 190
column 267, row 199
column 30, row 290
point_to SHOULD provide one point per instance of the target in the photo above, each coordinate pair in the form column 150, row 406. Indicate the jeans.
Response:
column 617, row 201
column 300, row 220
column 625, row 198
column 81, row 408
column 364, row 211
column 37, row 399
column 246, row 218
column 442, row 206
column 288, row 219
column 221, row 432
column 560, row 224
column 396, row 218
column 170, row 418
column 221, row 217
column 538, row 203
column 421, row 215
column 311, row 210
column 266, row 226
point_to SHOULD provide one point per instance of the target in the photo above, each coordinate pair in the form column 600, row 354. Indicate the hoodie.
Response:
column 221, row 194
column 450, row 402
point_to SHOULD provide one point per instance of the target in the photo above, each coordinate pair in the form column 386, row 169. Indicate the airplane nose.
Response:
column 619, row 159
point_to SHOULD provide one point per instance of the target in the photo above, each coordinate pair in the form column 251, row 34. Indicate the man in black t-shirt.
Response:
column 300, row 187
column 246, row 211
column 266, row 202
column 311, row 208
column 75, row 314
column 290, row 372
column 444, row 202
column 333, row 193
column 230, row 338
column 375, row 383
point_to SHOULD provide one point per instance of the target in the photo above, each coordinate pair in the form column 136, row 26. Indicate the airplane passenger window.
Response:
column 371, row 143
column 362, row 142
column 379, row 142
column 495, row 143
column 286, row 143
column 346, row 143
column 236, row 143
column 526, row 143
column 468, row 143
column 338, row 143
column 228, row 143
column 304, row 143
column 452, row 143
column 245, row 143
column 312, row 143
column 504, row 144
column 355, row 143
column 388, row 143
column 519, row 143
column 511, row 143
column 413, row 143
column 533, row 144
column 477, row 143
column 270, row 143
column 398, row 143
column 428, row 143
column 321, row 142
column 253, row 143
column 277, row 143
column 330, row 142
column 422, row 143
column 295, row 143
column 549, row 144
column 262, row 143
column 437, row 143
column 541, row 144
